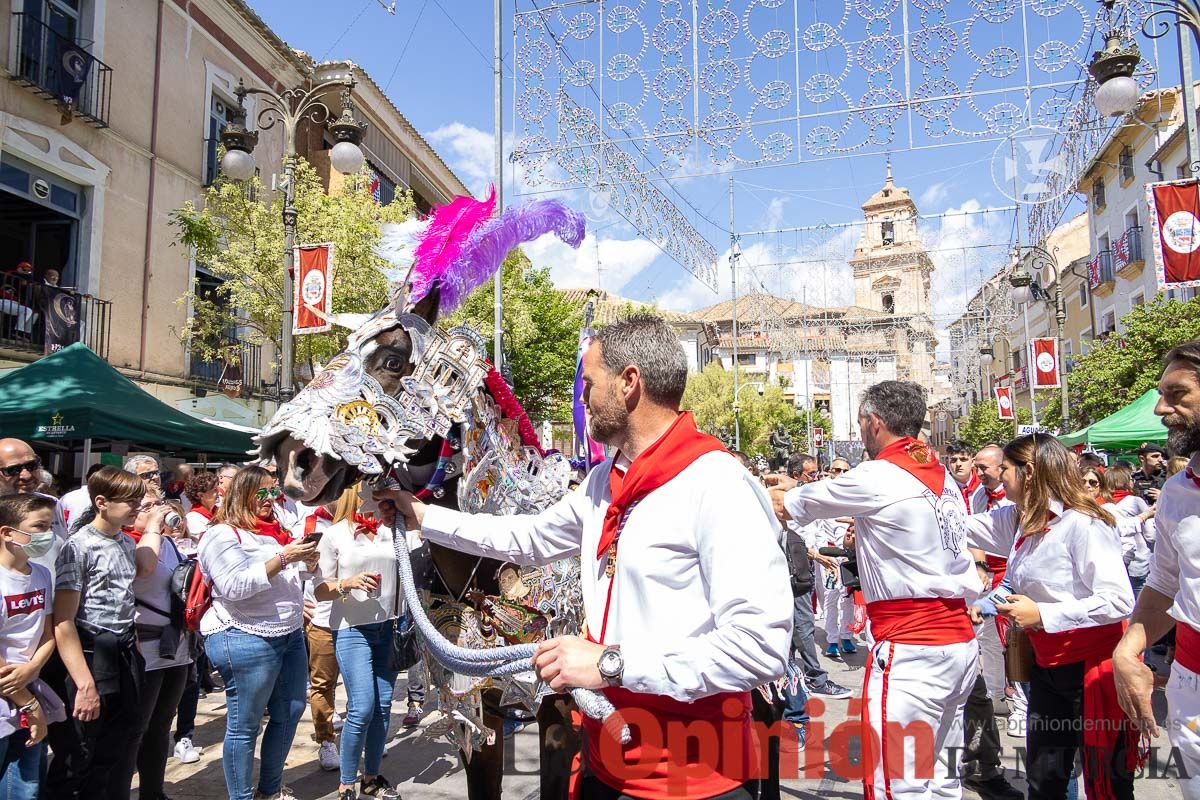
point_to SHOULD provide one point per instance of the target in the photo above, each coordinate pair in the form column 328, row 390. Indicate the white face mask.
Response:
column 40, row 543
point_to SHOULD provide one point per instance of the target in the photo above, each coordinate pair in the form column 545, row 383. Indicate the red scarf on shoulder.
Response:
column 674, row 451
column 273, row 529
column 1120, row 494
column 202, row 511
column 915, row 458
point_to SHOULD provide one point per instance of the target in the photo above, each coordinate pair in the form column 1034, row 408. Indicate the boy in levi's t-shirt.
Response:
column 26, row 642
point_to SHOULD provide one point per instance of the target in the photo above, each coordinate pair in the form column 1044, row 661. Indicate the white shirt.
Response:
column 1074, row 571
column 1175, row 568
column 197, row 524
column 68, row 509
column 1135, row 546
column 979, row 502
column 345, row 554
column 27, row 601
column 321, row 608
column 910, row 542
column 243, row 597
column 702, row 599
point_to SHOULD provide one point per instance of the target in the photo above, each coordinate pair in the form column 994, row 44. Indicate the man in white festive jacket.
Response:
column 685, row 585
column 910, row 531
column 1171, row 596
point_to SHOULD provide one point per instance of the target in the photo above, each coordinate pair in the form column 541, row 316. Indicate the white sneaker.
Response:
column 337, row 721
column 185, row 752
column 1016, row 725
column 283, row 794
column 328, row 755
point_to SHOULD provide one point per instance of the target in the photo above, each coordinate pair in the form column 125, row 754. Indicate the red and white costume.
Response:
column 1175, row 572
column 916, row 575
column 700, row 602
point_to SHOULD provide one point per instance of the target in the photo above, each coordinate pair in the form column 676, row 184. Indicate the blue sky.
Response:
column 437, row 69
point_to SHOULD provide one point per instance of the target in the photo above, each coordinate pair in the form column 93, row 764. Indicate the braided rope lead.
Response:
column 492, row 662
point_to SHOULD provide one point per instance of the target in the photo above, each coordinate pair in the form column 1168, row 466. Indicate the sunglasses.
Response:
column 837, row 471
column 1090, row 482
column 264, row 494
column 16, row 469
column 154, row 473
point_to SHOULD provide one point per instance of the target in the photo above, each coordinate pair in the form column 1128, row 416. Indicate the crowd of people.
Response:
column 1002, row 577
column 101, row 673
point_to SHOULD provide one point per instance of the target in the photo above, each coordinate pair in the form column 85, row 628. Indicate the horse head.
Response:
column 401, row 382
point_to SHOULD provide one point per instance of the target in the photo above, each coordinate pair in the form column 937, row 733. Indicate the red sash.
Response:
column 922, row 620
column 916, row 459
column 994, row 497
column 998, row 565
column 1187, row 647
column 649, row 767
column 1104, row 723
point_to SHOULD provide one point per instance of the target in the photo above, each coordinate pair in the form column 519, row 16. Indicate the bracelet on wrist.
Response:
column 30, row 706
column 341, row 590
column 282, row 560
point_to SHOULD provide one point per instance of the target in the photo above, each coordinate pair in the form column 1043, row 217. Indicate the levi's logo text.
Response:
column 26, row 603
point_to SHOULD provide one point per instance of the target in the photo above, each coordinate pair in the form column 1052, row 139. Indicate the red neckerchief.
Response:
column 969, row 489
column 916, row 459
column 132, row 533
column 995, row 497
column 1191, row 476
column 273, row 529
column 1050, row 517
column 202, row 511
column 366, row 523
column 674, row 451
column 310, row 522
column 1120, row 494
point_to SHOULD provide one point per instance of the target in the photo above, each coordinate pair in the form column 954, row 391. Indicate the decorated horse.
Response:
column 411, row 406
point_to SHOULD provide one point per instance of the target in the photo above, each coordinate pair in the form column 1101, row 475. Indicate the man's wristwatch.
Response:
column 611, row 665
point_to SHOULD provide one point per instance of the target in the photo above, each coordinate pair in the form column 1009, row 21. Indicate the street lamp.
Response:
column 1113, row 67
column 289, row 109
column 737, row 412
column 1025, row 290
column 986, row 357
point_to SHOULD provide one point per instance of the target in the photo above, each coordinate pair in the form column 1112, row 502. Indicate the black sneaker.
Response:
column 378, row 788
column 831, row 689
column 996, row 787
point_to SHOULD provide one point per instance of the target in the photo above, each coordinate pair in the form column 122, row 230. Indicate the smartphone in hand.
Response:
column 313, row 538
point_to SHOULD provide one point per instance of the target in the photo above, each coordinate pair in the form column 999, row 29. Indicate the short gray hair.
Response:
column 132, row 462
column 902, row 405
column 648, row 343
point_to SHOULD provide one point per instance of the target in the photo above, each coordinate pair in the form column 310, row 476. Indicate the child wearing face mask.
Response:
column 26, row 641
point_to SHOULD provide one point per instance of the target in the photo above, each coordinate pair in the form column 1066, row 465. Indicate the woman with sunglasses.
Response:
column 1093, row 483
column 252, row 630
column 1071, row 594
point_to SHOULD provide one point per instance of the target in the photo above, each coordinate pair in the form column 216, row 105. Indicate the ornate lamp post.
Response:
column 1026, row 289
column 288, row 110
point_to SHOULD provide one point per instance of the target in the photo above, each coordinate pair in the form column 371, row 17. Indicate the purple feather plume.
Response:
column 493, row 240
column 449, row 231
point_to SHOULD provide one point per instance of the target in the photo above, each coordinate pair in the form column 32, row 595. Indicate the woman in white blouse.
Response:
column 252, row 630
column 1133, row 515
column 1071, row 594
column 358, row 573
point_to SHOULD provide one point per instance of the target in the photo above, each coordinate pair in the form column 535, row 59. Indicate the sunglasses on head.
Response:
column 17, row 469
column 264, row 494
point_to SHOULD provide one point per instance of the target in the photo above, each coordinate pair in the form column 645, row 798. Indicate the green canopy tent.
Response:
column 76, row 395
column 1127, row 429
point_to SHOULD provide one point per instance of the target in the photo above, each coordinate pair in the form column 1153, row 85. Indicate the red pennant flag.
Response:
column 1004, row 402
column 1174, row 211
column 1045, row 363
column 313, row 288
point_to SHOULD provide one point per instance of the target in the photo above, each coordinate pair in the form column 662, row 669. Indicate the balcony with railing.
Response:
column 238, row 372
column 1101, row 279
column 61, row 70
column 36, row 318
column 1128, row 259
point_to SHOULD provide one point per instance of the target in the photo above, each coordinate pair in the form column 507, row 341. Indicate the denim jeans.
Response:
column 795, row 699
column 23, row 767
column 259, row 673
column 804, row 641
column 362, row 655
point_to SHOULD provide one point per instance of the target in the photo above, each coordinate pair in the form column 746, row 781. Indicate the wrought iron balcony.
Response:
column 62, row 71
column 1128, row 258
column 36, row 318
column 240, row 372
column 1101, row 278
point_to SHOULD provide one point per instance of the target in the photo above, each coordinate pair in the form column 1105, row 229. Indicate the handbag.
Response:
column 1019, row 657
column 403, row 653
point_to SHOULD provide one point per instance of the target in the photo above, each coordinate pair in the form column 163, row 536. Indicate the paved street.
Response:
column 428, row 769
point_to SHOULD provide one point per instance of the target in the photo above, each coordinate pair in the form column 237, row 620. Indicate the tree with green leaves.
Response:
column 709, row 396
column 238, row 237
column 541, row 335
column 984, row 426
column 1117, row 370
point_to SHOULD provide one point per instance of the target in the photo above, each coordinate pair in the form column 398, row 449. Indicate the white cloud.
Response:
column 620, row 261
column 932, row 198
column 469, row 151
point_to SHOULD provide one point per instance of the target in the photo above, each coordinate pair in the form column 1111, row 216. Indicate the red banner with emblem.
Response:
column 313, row 288
column 1045, row 363
column 1175, row 216
column 1004, row 402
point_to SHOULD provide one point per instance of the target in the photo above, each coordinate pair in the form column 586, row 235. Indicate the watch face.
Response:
column 610, row 663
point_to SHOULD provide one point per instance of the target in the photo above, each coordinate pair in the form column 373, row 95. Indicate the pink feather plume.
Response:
column 450, row 228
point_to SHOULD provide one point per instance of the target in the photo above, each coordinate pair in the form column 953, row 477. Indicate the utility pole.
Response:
column 733, row 259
